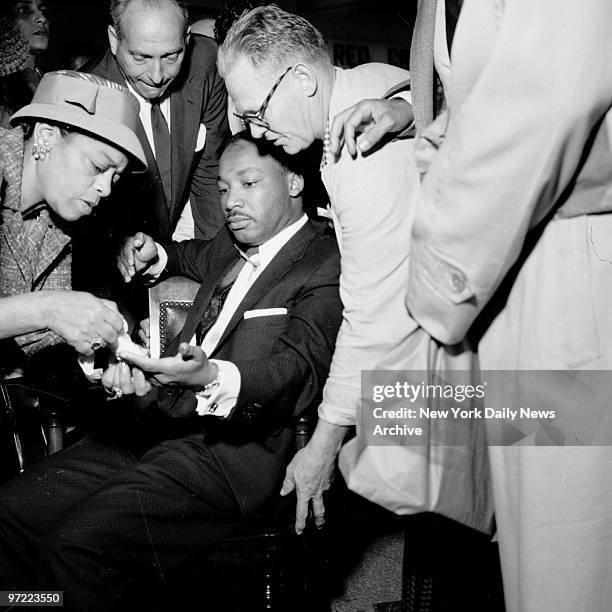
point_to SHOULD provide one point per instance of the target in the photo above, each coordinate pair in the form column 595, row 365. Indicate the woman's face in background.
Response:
column 31, row 17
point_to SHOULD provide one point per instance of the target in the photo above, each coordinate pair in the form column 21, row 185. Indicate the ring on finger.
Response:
column 96, row 343
column 113, row 393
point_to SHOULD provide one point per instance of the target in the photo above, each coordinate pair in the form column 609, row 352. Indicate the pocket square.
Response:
column 201, row 141
column 264, row 312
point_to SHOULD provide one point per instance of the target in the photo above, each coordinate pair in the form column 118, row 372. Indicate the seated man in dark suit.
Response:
column 104, row 513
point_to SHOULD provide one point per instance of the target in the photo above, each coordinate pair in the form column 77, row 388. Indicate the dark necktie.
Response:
column 453, row 8
column 219, row 295
column 163, row 149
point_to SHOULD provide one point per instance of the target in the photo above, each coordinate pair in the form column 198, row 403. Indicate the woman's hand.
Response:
column 81, row 319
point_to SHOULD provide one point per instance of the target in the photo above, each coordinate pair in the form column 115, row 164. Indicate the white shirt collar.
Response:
column 269, row 249
column 145, row 114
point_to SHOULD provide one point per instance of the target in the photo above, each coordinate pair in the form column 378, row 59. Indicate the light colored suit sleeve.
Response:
column 373, row 202
column 525, row 96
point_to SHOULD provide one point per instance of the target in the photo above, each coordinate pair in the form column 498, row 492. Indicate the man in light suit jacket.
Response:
column 270, row 346
column 511, row 243
column 169, row 71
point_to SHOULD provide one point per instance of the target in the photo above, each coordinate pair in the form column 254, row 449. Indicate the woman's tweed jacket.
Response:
column 34, row 259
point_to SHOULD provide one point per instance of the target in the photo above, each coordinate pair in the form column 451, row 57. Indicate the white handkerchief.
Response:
column 264, row 312
column 201, row 141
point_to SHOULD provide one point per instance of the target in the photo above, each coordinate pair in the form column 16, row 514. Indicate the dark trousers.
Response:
column 95, row 519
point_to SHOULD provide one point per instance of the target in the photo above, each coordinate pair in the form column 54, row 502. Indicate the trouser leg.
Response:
column 148, row 518
column 32, row 502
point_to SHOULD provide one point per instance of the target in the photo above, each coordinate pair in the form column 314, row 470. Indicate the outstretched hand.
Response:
column 364, row 124
column 81, row 319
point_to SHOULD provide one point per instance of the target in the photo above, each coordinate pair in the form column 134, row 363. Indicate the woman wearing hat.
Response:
column 70, row 146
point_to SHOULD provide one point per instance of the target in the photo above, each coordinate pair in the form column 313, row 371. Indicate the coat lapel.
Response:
column 109, row 68
column 55, row 241
column 185, row 108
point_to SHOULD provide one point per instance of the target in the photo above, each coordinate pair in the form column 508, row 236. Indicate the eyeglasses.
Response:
column 257, row 118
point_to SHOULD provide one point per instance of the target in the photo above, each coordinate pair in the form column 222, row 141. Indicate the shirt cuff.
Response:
column 220, row 399
column 407, row 132
column 154, row 271
column 402, row 95
column 337, row 415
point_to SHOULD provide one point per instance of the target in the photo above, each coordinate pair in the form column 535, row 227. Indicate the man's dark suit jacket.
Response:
column 283, row 359
column 197, row 96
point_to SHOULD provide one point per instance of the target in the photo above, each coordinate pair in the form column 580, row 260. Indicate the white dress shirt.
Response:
column 185, row 228
column 145, row 114
column 220, row 399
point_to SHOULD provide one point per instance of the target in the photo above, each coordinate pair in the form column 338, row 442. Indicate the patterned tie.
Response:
column 163, row 149
column 220, row 293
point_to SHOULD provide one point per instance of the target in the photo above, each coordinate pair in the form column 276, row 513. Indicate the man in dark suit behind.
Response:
column 183, row 124
column 115, row 515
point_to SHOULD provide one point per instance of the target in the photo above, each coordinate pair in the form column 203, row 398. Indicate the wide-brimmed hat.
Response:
column 91, row 104
column 14, row 49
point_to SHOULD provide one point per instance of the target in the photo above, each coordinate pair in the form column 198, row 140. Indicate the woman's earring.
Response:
column 40, row 152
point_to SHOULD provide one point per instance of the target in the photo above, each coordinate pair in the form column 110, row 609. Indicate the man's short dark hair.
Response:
column 305, row 163
column 291, row 163
column 118, row 7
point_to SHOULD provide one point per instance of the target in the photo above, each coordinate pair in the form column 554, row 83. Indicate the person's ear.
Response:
column 44, row 138
column 45, row 133
column 187, row 36
column 296, row 184
column 113, row 39
column 307, row 79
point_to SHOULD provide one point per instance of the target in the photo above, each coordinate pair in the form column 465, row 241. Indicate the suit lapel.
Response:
column 110, row 69
column 185, row 108
column 421, row 63
column 275, row 271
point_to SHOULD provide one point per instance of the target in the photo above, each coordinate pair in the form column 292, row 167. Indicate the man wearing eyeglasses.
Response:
column 528, row 238
column 277, row 70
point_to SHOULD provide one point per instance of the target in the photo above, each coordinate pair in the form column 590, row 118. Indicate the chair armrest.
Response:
column 169, row 303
